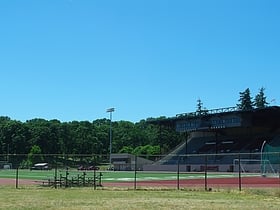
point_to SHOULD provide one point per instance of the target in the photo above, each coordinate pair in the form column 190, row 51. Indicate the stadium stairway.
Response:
column 191, row 146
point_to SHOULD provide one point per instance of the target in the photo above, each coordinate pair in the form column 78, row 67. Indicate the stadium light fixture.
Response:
column 110, row 110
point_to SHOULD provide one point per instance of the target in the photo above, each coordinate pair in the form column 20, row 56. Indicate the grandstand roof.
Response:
column 223, row 118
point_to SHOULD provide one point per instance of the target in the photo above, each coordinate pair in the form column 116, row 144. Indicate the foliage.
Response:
column 246, row 103
column 35, row 155
column 54, row 137
column 245, row 100
column 199, row 107
column 126, row 149
column 260, row 99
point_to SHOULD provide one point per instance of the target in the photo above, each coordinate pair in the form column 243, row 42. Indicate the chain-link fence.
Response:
column 206, row 171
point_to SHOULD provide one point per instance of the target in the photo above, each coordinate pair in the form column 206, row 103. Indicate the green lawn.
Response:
column 108, row 176
column 85, row 198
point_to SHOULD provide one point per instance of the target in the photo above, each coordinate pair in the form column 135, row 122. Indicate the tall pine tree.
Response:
column 199, row 108
column 260, row 99
column 245, row 100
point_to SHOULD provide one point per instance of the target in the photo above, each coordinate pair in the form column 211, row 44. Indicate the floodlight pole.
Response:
column 110, row 110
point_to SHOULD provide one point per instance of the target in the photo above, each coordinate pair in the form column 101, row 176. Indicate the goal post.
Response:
column 270, row 157
column 5, row 165
column 267, row 165
column 247, row 165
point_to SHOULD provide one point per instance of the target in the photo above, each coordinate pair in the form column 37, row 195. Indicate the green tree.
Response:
column 245, row 100
column 35, row 155
column 102, row 127
column 45, row 134
column 199, row 106
column 123, row 135
column 126, row 149
column 200, row 110
column 13, row 136
column 260, row 99
column 147, row 150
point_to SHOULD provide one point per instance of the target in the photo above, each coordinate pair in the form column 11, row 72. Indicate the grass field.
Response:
column 110, row 176
column 36, row 197
column 85, row 198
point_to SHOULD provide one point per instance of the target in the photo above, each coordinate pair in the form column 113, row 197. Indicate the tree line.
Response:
column 84, row 137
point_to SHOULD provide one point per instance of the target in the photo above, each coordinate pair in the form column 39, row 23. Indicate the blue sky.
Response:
column 73, row 59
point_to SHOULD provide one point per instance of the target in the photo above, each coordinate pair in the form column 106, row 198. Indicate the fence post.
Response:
column 94, row 178
column 135, row 172
column 279, row 169
column 55, row 173
column 205, row 173
column 178, row 173
column 17, row 178
column 239, row 172
column 66, row 177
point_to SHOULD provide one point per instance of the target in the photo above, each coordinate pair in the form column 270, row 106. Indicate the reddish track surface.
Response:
column 20, row 182
column 246, row 182
column 257, row 182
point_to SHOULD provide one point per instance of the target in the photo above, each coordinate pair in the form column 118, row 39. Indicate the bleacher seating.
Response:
column 219, row 145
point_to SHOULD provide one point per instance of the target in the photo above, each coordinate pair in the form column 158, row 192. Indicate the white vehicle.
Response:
column 40, row 166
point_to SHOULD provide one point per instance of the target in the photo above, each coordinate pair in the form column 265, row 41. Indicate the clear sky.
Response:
column 73, row 59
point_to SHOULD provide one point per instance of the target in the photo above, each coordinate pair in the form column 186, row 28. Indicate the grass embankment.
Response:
column 87, row 198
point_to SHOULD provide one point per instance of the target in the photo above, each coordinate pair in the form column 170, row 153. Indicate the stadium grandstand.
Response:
column 220, row 133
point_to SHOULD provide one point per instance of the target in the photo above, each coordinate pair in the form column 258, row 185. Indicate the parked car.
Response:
column 93, row 168
column 40, row 166
column 89, row 168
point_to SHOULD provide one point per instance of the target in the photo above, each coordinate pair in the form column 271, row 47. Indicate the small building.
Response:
column 127, row 162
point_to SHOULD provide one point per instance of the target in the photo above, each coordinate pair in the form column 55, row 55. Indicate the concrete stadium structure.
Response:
column 222, row 135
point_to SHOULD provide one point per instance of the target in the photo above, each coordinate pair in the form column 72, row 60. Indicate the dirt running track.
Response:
column 256, row 182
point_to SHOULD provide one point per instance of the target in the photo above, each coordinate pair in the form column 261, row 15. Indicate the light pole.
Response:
column 110, row 110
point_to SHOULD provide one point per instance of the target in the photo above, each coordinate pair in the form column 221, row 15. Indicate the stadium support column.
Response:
column 186, row 150
column 216, row 142
column 186, row 139
column 216, row 145
column 160, row 139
